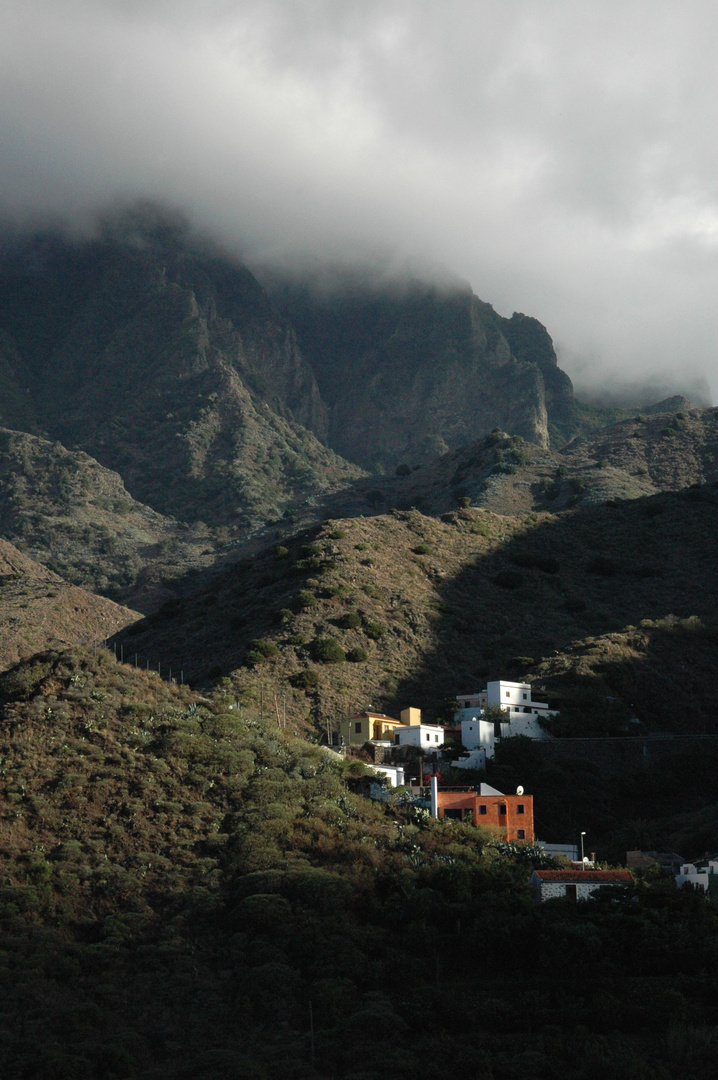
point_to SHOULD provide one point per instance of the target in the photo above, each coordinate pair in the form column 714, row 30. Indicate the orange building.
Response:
column 512, row 815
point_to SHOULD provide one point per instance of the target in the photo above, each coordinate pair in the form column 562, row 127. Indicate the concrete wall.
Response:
column 476, row 732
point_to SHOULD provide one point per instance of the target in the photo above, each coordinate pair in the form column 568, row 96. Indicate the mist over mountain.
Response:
column 168, row 362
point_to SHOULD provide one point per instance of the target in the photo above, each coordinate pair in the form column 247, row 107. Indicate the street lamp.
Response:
column 583, row 864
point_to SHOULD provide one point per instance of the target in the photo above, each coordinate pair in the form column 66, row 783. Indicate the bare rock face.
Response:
column 168, row 363
column 410, row 371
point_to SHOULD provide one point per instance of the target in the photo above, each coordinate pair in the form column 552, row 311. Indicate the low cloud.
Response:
column 558, row 156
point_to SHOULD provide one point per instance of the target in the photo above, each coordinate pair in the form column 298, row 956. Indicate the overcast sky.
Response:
column 560, row 155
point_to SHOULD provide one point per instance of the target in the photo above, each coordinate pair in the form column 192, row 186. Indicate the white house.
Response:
column 704, row 874
column 474, row 759
column 523, row 715
column 427, row 736
column 394, row 773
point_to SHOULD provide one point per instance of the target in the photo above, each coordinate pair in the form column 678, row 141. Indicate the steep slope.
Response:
column 167, row 363
column 77, row 518
column 664, row 670
column 425, row 608
column 410, row 369
column 39, row 610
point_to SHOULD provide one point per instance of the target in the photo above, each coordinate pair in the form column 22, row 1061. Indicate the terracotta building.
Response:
column 512, row 815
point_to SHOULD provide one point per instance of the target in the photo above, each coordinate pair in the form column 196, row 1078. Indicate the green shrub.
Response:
column 284, row 615
column 297, row 639
column 304, row 680
column 264, row 647
column 372, row 629
column 327, row 651
column 336, row 534
column 350, row 621
column 357, row 655
column 422, row 549
column 306, row 600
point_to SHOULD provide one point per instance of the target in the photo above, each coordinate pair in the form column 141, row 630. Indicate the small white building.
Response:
column 523, row 715
column 475, row 759
column 704, row 875
column 573, row 885
column 394, row 773
column 427, row 736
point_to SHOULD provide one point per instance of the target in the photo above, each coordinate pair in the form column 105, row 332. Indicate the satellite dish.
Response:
column 519, row 790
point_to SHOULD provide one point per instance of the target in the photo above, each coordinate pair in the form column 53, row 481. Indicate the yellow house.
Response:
column 368, row 726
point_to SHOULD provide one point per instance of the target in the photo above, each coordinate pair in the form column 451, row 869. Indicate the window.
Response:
column 436, row 738
column 357, row 728
column 428, row 737
column 502, row 808
column 520, row 834
column 571, row 894
column 525, row 697
column 520, row 808
column 508, row 693
column 482, row 809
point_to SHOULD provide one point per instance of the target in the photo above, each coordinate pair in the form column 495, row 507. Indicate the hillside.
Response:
column 634, row 457
column 38, row 609
column 189, row 892
column 77, row 518
column 435, row 606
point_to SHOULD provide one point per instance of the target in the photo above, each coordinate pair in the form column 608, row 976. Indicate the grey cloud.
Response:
column 558, row 156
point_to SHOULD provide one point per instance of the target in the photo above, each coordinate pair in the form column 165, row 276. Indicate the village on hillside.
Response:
column 408, row 752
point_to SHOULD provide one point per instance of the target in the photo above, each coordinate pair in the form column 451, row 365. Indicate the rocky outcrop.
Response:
column 409, row 371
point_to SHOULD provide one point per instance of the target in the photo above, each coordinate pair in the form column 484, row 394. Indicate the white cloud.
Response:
column 558, row 155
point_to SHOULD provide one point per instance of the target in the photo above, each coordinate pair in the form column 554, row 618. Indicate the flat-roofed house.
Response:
column 511, row 815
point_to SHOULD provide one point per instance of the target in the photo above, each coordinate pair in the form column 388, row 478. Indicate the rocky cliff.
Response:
column 411, row 370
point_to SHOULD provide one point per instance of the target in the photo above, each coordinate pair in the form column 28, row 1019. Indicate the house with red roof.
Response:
column 573, row 885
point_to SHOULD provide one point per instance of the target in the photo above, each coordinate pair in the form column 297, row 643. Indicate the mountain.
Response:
column 190, row 891
column 410, row 369
column 168, row 364
column 38, row 610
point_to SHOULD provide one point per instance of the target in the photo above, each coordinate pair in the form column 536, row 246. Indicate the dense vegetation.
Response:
column 190, row 892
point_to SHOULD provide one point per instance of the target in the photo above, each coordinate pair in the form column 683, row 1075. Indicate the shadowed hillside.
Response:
column 423, row 609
